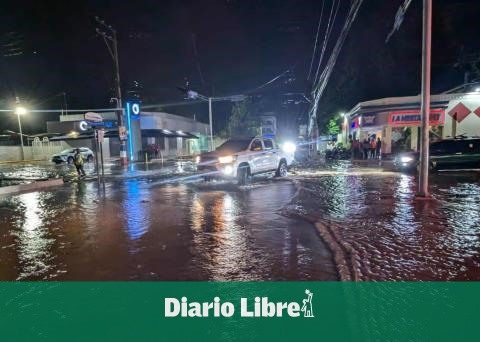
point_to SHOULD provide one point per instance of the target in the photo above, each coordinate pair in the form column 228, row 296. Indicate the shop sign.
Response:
column 413, row 118
column 368, row 120
column 355, row 123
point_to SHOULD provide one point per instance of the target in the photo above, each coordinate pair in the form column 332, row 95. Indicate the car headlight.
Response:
column 406, row 159
column 197, row 159
column 226, row 159
column 289, row 147
column 228, row 170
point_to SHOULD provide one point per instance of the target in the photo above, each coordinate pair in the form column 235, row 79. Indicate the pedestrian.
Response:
column 373, row 147
column 378, row 152
column 78, row 160
column 355, row 148
column 365, row 148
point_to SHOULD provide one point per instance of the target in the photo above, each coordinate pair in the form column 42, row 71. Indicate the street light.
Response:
column 193, row 95
column 21, row 111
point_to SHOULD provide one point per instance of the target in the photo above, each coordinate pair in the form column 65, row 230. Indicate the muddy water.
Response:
column 142, row 230
column 383, row 233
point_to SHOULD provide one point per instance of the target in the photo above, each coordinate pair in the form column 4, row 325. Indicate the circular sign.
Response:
column 83, row 125
column 135, row 109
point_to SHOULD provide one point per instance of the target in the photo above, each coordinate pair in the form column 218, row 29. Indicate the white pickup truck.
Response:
column 241, row 158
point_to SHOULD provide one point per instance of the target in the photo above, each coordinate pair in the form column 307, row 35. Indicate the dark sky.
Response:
column 222, row 47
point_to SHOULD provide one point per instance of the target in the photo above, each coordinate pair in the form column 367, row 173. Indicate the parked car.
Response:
column 66, row 156
column 459, row 153
column 241, row 158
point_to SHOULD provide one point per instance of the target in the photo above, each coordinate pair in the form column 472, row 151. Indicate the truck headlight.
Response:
column 197, row 159
column 406, row 159
column 226, row 159
column 289, row 147
column 228, row 170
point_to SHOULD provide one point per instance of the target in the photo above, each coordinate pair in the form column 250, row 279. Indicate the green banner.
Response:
column 210, row 311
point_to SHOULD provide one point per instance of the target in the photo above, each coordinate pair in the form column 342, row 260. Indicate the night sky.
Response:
column 222, row 47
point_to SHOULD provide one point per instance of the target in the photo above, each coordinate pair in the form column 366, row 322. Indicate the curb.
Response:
column 8, row 190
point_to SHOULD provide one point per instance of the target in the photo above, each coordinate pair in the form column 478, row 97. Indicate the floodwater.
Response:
column 326, row 222
column 147, row 229
column 379, row 231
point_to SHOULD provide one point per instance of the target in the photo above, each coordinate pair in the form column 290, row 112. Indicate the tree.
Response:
column 242, row 121
column 333, row 128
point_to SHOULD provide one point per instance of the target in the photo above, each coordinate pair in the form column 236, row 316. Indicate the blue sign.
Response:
column 133, row 113
column 133, row 110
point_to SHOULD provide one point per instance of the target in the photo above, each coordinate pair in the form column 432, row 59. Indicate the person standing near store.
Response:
column 378, row 149
column 373, row 147
column 365, row 148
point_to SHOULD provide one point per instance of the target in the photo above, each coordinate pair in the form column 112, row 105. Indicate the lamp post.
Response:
column 232, row 98
column 21, row 111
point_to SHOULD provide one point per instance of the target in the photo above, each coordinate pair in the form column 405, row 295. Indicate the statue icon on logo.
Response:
column 307, row 307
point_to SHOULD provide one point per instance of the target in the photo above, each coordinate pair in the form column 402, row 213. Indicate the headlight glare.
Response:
column 406, row 159
column 226, row 159
column 289, row 147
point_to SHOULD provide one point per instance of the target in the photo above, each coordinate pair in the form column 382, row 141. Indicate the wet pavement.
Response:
column 327, row 221
column 149, row 229
column 378, row 230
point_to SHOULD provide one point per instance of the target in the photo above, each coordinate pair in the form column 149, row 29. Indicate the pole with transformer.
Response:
column 114, row 54
column 425, row 98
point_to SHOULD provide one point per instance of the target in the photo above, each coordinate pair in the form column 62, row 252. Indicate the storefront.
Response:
column 153, row 133
column 396, row 121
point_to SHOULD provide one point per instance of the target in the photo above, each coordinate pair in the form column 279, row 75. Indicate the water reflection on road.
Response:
column 386, row 234
column 135, row 229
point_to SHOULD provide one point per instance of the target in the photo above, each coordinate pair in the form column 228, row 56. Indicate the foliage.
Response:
column 333, row 128
column 242, row 121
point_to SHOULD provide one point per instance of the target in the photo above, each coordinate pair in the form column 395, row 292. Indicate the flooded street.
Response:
column 149, row 230
column 326, row 222
column 379, row 231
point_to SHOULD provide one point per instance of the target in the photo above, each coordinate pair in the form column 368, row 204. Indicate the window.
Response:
column 234, row 145
column 256, row 145
column 268, row 144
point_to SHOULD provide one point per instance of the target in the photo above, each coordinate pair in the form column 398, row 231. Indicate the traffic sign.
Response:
column 93, row 117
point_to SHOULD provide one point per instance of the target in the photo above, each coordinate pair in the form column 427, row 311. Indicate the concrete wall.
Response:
column 14, row 153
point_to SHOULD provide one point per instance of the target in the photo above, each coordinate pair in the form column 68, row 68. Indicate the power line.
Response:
column 316, row 40
column 325, row 75
column 328, row 32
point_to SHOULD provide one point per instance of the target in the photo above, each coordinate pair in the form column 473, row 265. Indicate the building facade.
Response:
column 397, row 120
column 151, row 134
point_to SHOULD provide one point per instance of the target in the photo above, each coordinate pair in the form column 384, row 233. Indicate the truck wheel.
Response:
column 70, row 160
column 282, row 169
column 243, row 175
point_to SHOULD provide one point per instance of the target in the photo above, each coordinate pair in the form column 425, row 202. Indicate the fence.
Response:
column 44, row 148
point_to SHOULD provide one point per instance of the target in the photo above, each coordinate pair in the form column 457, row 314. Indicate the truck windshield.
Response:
column 234, row 145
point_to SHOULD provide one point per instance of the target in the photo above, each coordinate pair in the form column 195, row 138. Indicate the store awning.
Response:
column 167, row 133
column 87, row 135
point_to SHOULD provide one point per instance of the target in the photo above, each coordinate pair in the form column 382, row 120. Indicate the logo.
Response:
column 249, row 308
column 307, row 307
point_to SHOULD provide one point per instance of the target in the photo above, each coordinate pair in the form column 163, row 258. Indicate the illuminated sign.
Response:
column 355, row 123
column 133, row 113
column 368, row 120
column 83, row 125
column 404, row 118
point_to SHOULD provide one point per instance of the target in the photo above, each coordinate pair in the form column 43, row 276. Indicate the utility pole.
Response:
column 425, row 106
column 112, row 37
column 212, row 147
